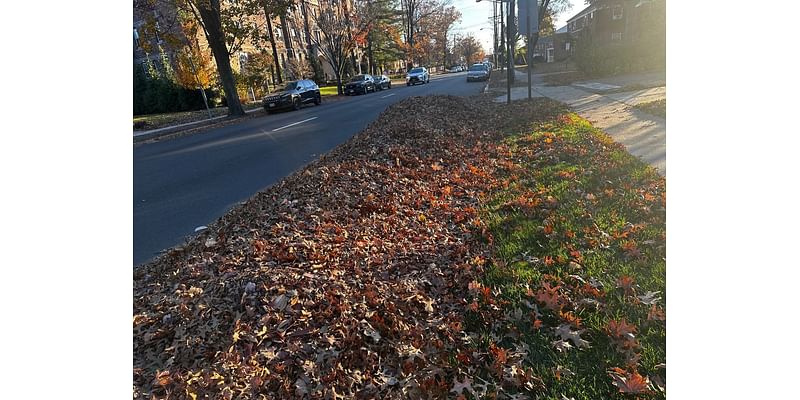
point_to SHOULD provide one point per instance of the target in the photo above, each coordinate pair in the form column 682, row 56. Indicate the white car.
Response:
column 417, row 75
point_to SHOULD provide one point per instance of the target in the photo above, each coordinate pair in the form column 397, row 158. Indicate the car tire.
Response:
column 389, row 86
column 318, row 100
column 296, row 104
column 408, row 84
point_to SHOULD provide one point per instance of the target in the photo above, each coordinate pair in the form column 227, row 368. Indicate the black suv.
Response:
column 293, row 95
column 360, row 84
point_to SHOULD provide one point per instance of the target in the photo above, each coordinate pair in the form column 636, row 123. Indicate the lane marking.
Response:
column 388, row 95
column 296, row 123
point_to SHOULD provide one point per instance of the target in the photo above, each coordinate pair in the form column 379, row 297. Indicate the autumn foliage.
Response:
column 388, row 268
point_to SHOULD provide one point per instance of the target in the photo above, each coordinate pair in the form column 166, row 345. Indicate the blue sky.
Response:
column 475, row 15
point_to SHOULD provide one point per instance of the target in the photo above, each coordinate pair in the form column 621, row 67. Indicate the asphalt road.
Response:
column 187, row 182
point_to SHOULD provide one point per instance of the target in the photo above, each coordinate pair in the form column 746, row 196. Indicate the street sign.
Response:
column 523, row 8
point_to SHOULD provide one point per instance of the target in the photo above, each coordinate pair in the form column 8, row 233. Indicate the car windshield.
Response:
column 358, row 78
column 290, row 86
column 477, row 68
column 416, row 70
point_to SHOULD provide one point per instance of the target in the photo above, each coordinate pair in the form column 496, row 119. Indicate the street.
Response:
column 187, row 182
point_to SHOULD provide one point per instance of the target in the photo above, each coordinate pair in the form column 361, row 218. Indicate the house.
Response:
column 610, row 21
column 612, row 36
column 557, row 46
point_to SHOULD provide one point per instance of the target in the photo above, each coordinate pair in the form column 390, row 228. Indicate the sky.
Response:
column 477, row 15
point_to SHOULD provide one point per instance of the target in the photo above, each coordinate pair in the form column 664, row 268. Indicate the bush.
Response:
column 160, row 95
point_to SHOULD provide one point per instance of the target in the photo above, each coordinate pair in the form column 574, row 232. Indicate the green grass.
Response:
column 155, row 121
column 328, row 91
column 569, row 199
column 658, row 107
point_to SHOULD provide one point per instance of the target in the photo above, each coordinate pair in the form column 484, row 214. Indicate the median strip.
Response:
column 293, row 124
column 454, row 245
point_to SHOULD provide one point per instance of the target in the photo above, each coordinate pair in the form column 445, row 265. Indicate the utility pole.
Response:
column 510, row 43
column 528, row 10
column 502, row 37
column 494, row 26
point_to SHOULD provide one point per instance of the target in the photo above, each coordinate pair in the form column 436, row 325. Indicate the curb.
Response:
column 167, row 130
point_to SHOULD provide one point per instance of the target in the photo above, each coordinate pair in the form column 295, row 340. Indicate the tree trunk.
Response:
column 312, row 57
column 210, row 14
column 287, row 40
column 275, row 58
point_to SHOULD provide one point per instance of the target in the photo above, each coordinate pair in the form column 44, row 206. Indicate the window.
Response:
column 243, row 57
column 566, row 46
column 616, row 36
column 616, row 12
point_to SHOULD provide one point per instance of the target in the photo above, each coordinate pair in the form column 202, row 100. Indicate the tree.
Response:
column 379, row 19
column 470, row 48
column 440, row 24
column 271, row 9
column 548, row 10
column 414, row 13
column 336, row 41
column 257, row 70
column 299, row 68
column 225, row 29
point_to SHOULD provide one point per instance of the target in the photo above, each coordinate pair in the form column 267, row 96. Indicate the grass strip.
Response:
column 657, row 107
column 578, row 279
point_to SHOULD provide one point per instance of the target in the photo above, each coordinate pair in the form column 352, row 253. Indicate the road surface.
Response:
column 187, row 182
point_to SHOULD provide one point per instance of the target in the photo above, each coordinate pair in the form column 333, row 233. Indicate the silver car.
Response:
column 383, row 82
column 478, row 72
column 417, row 75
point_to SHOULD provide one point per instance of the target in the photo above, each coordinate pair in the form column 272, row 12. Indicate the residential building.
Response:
column 610, row 21
column 557, row 46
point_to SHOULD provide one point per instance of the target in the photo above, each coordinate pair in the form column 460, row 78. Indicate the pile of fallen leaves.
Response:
column 347, row 279
column 454, row 248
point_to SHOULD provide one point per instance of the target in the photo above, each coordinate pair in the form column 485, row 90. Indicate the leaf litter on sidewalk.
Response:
column 372, row 273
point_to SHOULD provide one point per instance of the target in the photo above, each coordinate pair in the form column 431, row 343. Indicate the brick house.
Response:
column 557, row 46
column 611, row 21
column 612, row 36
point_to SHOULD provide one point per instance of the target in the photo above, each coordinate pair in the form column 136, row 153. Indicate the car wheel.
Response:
column 408, row 84
column 296, row 104
column 389, row 86
column 318, row 100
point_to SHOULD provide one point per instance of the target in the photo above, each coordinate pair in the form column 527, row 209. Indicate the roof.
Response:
column 583, row 12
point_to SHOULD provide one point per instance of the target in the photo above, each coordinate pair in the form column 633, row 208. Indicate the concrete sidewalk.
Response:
column 643, row 135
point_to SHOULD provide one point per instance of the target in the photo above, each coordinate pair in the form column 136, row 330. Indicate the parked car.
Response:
column 417, row 75
column 360, row 84
column 478, row 72
column 383, row 82
column 293, row 96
